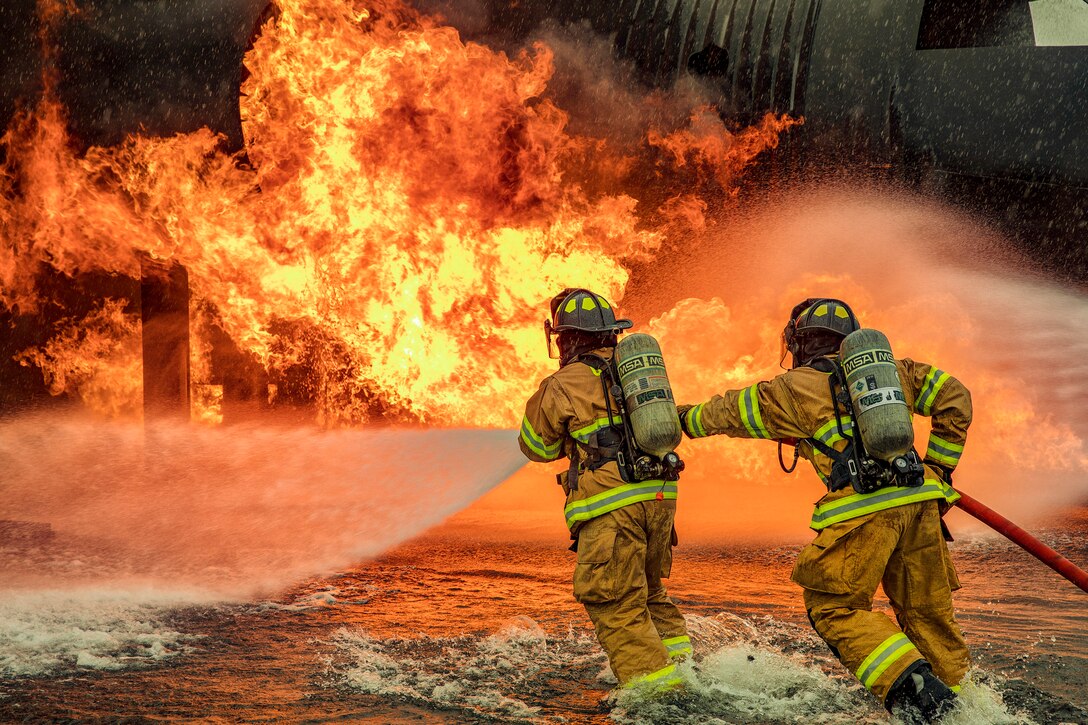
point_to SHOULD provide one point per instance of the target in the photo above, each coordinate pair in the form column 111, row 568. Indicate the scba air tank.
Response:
column 651, row 409
column 881, row 415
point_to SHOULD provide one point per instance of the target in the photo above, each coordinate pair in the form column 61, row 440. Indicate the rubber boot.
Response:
column 919, row 697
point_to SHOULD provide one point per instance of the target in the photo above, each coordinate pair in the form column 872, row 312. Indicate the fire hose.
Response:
column 1024, row 540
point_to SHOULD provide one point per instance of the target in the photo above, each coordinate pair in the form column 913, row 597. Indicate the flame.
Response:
column 388, row 241
column 708, row 146
column 93, row 358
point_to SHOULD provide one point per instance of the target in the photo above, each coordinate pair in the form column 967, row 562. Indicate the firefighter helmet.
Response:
column 585, row 311
column 816, row 327
column 581, row 311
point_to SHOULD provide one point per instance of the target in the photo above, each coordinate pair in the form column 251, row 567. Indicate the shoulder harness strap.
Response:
column 606, row 444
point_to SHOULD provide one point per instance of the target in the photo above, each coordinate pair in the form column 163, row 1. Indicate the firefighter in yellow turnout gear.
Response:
column 623, row 529
column 891, row 536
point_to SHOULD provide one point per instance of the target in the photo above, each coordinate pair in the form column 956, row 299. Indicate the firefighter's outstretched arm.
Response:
column 544, row 424
column 763, row 410
column 948, row 403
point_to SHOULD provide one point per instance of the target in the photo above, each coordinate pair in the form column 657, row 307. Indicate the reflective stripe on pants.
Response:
column 677, row 646
column 664, row 679
column 886, row 654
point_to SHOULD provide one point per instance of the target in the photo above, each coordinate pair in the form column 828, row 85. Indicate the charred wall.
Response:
column 164, row 338
column 62, row 298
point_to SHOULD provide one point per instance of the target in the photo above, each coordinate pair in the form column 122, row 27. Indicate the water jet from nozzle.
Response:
column 234, row 510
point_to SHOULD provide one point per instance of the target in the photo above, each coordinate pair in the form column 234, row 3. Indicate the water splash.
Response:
column 494, row 676
column 236, row 510
column 50, row 631
column 758, row 670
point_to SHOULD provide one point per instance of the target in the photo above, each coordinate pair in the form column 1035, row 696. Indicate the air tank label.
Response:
column 645, row 383
column 647, row 396
column 642, row 361
column 877, row 398
column 869, row 357
column 862, row 384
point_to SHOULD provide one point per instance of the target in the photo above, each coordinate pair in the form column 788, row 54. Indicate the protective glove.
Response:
column 682, row 410
column 943, row 471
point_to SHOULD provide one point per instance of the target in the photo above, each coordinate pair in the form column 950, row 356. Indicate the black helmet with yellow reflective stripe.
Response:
column 582, row 319
column 584, row 311
column 816, row 328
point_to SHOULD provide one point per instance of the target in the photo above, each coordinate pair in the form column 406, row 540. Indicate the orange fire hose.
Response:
column 1024, row 540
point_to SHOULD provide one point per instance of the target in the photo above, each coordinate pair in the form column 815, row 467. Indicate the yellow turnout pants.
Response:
column 622, row 558
column 903, row 549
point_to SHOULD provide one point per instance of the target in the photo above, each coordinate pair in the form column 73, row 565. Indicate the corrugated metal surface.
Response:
column 765, row 45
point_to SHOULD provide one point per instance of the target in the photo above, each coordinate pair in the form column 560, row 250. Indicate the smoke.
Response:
column 235, row 511
column 668, row 146
column 603, row 93
column 472, row 18
column 664, row 144
column 1015, row 339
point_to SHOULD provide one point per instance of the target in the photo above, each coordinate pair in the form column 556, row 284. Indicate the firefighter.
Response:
column 892, row 536
column 622, row 528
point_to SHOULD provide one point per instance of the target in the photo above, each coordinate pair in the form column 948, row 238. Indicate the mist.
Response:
column 944, row 286
column 234, row 511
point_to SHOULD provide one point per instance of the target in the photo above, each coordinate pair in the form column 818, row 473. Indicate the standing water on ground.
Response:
column 476, row 622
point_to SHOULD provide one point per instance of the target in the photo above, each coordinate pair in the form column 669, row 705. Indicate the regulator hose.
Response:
column 1024, row 540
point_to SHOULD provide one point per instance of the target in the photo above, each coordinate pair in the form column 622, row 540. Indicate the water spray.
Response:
column 1024, row 540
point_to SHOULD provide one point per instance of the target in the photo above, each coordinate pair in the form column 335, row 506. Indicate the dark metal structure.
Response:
column 164, row 317
column 962, row 84
column 981, row 101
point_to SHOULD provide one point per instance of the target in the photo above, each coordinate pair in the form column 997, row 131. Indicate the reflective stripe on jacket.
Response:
column 860, row 504
column 565, row 411
column 797, row 404
column 618, row 497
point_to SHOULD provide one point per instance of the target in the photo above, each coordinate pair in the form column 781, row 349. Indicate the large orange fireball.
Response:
column 403, row 219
